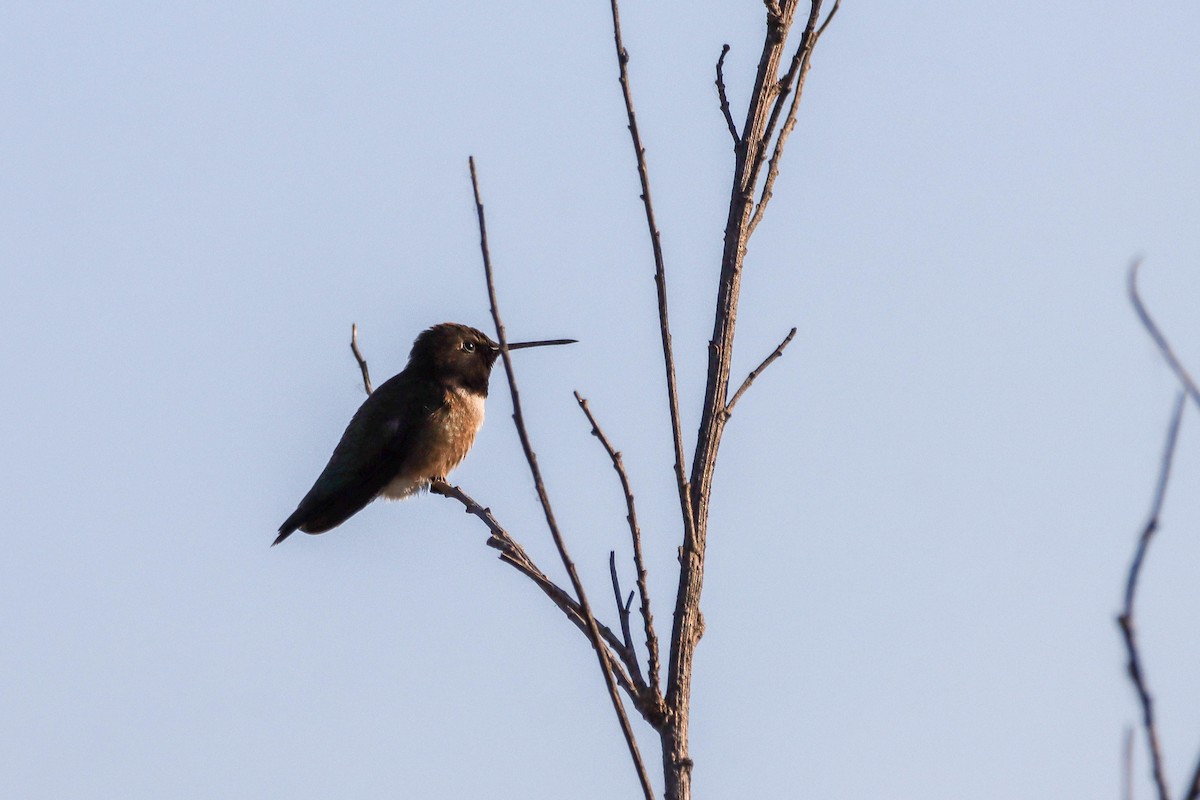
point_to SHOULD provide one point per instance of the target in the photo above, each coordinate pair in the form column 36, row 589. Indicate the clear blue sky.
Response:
column 923, row 512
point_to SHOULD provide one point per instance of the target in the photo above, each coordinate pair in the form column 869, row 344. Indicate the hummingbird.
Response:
column 411, row 431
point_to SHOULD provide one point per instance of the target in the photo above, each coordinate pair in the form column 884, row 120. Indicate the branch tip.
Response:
column 724, row 98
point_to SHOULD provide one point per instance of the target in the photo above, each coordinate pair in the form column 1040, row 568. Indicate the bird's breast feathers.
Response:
column 439, row 444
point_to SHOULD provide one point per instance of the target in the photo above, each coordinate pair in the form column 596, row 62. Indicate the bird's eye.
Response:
column 468, row 346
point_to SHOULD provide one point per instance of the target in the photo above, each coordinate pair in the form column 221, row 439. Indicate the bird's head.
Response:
column 461, row 354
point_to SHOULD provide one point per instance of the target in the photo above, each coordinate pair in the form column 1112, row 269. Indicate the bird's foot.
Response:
column 439, row 486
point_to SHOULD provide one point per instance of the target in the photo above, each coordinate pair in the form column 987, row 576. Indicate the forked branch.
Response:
column 1125, row 620
column 515, row 556
column 794, row 78
column 635, row 534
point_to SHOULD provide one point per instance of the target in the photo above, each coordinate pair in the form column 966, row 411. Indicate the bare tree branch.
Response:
column 1127, row 765
column 362, row 364
column 797, row 73
column 758, row 371
column 636, row 535
column 1152, row 328
column 1125, row 620
column 602, row 655
column 733, row 131
column 660, row 275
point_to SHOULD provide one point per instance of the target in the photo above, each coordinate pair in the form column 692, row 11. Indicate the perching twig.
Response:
column 635, row 533
column 724, row 98
column 1125, row 620
column 758, row 371
column 606, row 665
column 362, row 364
column 660, row 277
column 1164, row 347
column 515, row 556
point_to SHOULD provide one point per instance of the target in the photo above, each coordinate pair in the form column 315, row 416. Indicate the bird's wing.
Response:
column 370, row 453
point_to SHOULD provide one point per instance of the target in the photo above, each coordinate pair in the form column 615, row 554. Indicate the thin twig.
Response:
column 635, row 533
column 1125, row 620
column 733, row 131
column 606, row 665
column 1164, row 347
column 1127, row 765
column 362, row 362
column 623, row 613
column 660, row 277
column 758, row 371
column 821, row 30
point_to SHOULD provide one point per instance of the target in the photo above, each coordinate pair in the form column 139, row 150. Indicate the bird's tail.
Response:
column 289, row 526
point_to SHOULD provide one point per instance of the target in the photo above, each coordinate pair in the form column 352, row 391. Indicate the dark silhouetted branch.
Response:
column 515, row 556
column 733, row 131
column 1125, row 620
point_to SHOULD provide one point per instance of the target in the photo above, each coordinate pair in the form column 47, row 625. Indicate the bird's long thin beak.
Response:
column 543, row 343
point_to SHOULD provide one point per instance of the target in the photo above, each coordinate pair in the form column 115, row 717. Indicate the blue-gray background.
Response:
column 923, row 512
